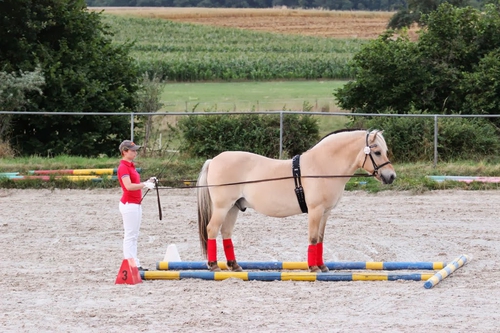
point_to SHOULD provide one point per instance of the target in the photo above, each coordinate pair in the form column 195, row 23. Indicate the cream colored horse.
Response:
column 236, row 180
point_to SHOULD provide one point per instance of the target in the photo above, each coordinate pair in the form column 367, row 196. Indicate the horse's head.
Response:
column 375, row 160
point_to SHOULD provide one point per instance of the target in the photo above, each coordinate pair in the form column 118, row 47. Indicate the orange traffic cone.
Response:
column 128, row 273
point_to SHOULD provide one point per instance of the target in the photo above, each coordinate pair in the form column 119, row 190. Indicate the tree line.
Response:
column 368, row 5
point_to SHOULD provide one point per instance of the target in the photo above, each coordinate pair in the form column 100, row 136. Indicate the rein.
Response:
column 296, row 173
column 269, row 180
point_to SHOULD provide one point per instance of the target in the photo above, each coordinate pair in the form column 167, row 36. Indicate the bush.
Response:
column 6, row 150
column 411, row 139
column 207, row 136
column 466, row 139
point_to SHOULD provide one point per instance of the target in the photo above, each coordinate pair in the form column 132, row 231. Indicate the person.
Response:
column 130, row 202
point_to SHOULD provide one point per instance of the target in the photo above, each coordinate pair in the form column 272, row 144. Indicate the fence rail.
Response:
column 282, row 114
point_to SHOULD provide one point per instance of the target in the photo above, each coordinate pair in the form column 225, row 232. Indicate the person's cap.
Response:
column 128, row 145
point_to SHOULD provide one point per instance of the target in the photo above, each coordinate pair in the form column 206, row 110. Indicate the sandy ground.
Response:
column 61, row 251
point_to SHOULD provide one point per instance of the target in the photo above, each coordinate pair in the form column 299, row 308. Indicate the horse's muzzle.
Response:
column 387, row 176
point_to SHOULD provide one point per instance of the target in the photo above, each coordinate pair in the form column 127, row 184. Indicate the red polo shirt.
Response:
column 127, row 169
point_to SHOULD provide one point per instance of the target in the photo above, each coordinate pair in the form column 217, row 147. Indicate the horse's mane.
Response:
column 340, row 131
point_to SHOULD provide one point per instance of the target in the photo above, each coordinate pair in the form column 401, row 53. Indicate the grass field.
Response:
column 310, row 22
column 411, row 176
column 187, row 46
column 182, row 52
column 251, row 96
column 256, row 96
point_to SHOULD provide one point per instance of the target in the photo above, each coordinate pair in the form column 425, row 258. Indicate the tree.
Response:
column 83, row 70
column 437, row 73
column 13, row 90
column 149, row 101
column 453, row 68
column 405, row 17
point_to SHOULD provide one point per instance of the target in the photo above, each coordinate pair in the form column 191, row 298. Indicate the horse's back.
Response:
column 264, row 183
column 238, row 164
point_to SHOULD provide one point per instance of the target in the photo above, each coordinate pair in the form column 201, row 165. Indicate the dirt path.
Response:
column 61, row 253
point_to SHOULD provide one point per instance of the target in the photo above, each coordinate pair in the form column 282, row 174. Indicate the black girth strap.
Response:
column 299, row 191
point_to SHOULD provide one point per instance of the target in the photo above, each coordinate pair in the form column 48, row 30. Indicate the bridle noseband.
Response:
column 368, row 152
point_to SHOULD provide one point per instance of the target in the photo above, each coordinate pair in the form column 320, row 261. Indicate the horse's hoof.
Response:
column 233, row 265
column 314, row 269
column 324, row 269
column 213, row 267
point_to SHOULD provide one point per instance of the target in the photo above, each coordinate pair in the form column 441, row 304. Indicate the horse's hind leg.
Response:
column 213, row 228
column 227, row 232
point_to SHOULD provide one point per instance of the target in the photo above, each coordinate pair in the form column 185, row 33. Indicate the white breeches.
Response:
column 132, row 216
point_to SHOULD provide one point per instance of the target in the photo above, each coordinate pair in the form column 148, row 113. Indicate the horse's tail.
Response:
column 204, row 206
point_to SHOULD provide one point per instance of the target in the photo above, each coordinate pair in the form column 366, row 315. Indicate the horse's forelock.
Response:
column 377, row 133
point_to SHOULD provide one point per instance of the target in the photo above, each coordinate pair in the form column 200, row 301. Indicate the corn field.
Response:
column 181, row 52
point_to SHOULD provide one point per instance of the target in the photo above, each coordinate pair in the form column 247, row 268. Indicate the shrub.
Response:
column 207, row 136
column 411, row 139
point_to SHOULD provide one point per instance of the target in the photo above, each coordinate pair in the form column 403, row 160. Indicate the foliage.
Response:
column 482, row 87
column 451, row 69
column 83, row 70
column 412, row 138
column 207, row 136
column 6, row 150
column 13, row 89
column 149, row 101
column 404, row 18
column 414, row 10
column 180, row 52
column 389, row 76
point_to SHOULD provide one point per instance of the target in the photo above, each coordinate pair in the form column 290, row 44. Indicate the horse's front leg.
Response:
column 315, row 247
column 319, row 246
column 227, row 232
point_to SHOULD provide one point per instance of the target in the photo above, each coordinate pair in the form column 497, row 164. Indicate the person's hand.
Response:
column 149, row 185
column 153, row 179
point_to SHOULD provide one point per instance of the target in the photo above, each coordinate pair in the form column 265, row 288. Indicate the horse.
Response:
column 312, row 182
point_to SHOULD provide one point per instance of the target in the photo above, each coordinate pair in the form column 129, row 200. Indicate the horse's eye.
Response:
column 377, row 153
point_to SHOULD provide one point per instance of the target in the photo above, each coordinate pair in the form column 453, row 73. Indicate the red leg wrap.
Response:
column 228, row 249
column 312, row 255
column 319, row 254
column 212, row 249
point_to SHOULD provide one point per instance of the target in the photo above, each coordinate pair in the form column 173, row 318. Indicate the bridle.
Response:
column 368, row 152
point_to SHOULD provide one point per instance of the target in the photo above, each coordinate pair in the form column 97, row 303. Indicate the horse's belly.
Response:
column 273, row 203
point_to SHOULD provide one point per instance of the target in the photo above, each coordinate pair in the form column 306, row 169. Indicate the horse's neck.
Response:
column 340, row 151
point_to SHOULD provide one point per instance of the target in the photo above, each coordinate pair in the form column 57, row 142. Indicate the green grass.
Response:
column 173, row 170
column 184, row 52
column 256, row 96
column 250, row 96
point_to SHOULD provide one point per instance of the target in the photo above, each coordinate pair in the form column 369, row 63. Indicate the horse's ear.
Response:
column 377, row 132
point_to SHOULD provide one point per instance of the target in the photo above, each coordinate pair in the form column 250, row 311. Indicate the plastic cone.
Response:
column 172, row 254
column 128, row 273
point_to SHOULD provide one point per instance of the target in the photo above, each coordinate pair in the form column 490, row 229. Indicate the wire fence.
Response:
column 172, row 117
column 291, row 104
